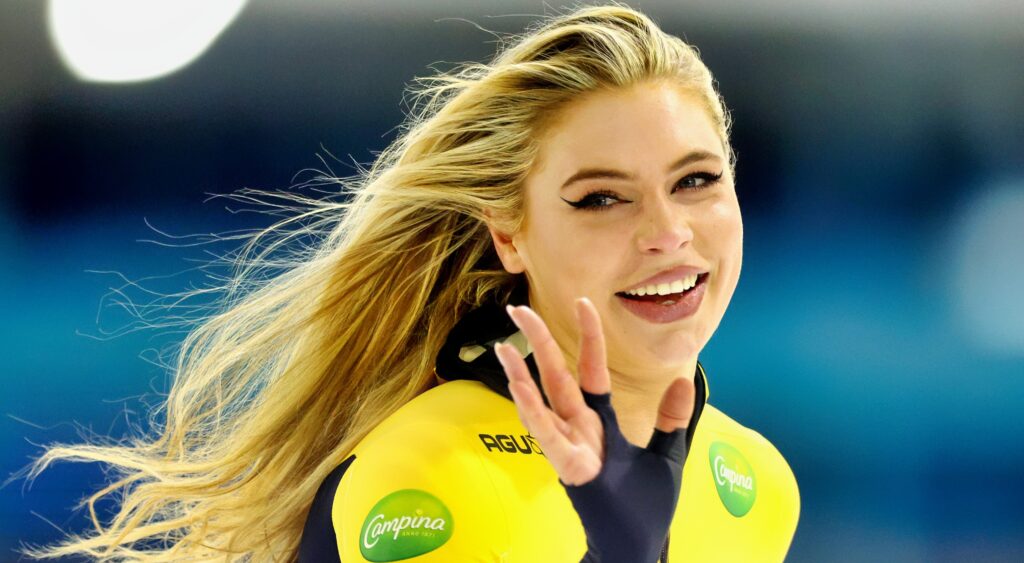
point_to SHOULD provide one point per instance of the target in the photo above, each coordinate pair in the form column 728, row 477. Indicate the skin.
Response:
column 576, row 260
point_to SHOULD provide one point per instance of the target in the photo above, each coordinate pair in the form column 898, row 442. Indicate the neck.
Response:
column 636, row 398
column 636, row 394
column 636, row 401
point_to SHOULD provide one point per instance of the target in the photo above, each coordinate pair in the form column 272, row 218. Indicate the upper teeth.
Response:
column 677, row 286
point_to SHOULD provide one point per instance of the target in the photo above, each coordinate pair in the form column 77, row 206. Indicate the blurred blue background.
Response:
column 877, row 334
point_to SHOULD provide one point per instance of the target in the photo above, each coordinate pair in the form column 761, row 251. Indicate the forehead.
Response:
column 636, row 129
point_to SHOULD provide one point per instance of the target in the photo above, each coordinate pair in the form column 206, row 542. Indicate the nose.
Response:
column 665, row 227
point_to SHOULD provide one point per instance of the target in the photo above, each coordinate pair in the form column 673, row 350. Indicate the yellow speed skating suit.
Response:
column 453, row 476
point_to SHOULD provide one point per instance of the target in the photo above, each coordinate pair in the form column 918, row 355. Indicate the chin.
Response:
column 678, row 350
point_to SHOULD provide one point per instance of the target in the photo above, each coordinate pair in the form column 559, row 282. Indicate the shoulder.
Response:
column 438, row 424
column 733, row 446
column 453, row 403
column 415, row 487
column 742, row 491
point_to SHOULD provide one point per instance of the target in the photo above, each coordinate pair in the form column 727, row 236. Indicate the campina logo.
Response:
column 405, row 524
column 734, row 478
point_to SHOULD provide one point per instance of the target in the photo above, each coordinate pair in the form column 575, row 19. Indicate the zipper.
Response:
column 664, row 551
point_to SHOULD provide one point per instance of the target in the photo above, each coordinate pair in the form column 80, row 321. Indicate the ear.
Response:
column 505, row 246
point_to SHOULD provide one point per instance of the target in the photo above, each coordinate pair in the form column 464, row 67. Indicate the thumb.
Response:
column 676, row 406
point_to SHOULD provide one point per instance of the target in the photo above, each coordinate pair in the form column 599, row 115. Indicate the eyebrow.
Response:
column 592, row 173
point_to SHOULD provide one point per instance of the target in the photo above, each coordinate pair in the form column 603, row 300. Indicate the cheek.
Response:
column 723, row 223
column 545, row 247
column 548, row 250
column 573, row 250
column 568, row 260
column 725, row 240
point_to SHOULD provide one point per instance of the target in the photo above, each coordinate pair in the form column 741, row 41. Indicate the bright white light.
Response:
column 990, row 267
column 132, row 40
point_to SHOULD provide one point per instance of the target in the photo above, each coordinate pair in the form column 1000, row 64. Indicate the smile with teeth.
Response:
column 677, row 286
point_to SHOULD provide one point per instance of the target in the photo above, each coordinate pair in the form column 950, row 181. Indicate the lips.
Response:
column 664, row 292
column 667, row 276
column 666, row 308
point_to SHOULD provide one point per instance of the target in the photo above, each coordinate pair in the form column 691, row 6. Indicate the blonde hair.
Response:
column 273, row 390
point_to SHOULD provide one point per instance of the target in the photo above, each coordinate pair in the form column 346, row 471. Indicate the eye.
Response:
column 698, row 180
column 596, row 201
column 602, row 199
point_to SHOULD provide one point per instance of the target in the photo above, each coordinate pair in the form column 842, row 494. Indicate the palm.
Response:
column 581, row 460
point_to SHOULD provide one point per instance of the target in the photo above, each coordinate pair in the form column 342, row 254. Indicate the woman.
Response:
column 356, row 407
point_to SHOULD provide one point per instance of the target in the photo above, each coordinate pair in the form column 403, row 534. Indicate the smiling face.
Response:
column 631, row 191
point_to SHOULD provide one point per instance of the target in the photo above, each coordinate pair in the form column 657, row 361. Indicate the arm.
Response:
column 627, row 509
column 319, row 544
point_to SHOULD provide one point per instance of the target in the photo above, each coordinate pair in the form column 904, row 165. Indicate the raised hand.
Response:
column 571, row 435
column 625, row 495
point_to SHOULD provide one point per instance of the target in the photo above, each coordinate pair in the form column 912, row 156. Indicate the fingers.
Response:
column 676, row 406
column 593, row 364
column 561, row 388
column 534, row 414
column 517, row 372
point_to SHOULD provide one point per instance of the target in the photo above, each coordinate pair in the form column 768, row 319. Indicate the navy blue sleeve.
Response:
column 627, row 509
column 319, row 544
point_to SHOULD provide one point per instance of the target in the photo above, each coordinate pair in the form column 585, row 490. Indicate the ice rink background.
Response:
column 876, row 336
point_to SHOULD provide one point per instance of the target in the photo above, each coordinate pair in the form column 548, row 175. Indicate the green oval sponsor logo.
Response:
column 405, row 524
column 734, row 478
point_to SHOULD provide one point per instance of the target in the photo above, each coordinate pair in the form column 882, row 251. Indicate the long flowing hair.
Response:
column 275, row 387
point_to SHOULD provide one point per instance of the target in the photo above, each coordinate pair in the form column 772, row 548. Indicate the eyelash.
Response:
column 588, row 202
